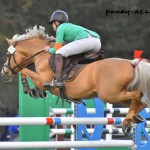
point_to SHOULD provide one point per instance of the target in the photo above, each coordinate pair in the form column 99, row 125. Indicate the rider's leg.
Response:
column 80, row 46
column 59, row 60
column 57, row 82
column 72, row 48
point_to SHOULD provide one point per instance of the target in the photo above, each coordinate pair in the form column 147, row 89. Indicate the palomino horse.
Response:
column 113, row 80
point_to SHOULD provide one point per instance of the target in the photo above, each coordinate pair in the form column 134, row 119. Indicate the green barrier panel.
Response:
column 29, row 107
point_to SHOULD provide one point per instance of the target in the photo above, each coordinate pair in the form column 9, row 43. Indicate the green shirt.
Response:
column 68, row 32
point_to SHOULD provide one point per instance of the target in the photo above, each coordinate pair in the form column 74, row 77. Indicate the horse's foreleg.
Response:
column 38, row 81
column 33, row 76
column 36, row 93
column 26, row 88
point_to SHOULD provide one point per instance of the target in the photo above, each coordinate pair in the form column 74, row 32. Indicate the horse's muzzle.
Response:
column 5, row 77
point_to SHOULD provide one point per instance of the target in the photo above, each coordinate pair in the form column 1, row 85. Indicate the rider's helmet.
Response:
column 59, row 15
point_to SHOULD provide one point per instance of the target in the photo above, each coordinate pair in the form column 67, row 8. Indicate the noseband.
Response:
column 10, row 54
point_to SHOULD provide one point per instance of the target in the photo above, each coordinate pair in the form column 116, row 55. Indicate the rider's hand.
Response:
column 46, row 48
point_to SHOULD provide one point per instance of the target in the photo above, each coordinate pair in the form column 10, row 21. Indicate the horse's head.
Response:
column 24, row 50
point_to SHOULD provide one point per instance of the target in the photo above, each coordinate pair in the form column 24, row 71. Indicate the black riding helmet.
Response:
column 58, row 15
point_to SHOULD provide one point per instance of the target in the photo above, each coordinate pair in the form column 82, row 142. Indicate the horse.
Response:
column 113, row 80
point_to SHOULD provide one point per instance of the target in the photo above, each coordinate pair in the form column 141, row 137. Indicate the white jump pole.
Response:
column 67, row 144
column 89, row 110
column 90, row 131
column 92, row 110
column 60, row 121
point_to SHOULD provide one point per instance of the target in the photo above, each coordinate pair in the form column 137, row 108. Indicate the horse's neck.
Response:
column 42, row 58
column 33, row 49
column 33, row 46
column 42, row 65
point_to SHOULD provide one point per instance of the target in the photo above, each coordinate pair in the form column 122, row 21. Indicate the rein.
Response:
column 10, row 53
column 19, row 65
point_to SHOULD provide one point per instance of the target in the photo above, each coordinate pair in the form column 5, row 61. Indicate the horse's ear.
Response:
column 10, row 42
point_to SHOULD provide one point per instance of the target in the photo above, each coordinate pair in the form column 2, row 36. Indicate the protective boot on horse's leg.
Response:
column 57, row 82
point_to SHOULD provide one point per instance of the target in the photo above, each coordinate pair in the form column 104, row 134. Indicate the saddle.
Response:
column 74, row 64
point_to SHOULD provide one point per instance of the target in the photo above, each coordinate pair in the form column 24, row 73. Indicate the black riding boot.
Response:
column 59, row 61
column 57, row 82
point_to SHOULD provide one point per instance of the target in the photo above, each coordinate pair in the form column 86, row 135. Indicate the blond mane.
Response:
column 33, row 33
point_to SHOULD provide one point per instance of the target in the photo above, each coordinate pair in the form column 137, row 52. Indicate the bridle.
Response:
column 9, row 55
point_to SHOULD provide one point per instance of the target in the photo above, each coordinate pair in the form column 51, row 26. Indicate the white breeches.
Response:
column 80, row 46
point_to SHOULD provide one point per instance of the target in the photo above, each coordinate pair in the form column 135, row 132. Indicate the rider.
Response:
column 79, row 40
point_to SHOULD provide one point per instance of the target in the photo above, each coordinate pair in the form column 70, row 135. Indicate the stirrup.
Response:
column 58, row 84
column 53, row 84
column 49, row 85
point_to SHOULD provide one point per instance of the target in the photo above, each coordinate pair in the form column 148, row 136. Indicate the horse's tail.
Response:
column 141, row 79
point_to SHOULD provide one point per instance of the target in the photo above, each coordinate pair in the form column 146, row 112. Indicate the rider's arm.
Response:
column 59, row 40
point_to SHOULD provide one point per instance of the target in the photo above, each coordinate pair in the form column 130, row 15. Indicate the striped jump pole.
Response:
column 90, row 131
column 89, row 111
column 67, row 144
column 60, row 121
column 62, row 111
column 115, row 131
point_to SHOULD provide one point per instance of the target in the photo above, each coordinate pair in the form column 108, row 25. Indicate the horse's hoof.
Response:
column 138, row 119
column 33, row 93
column 127, row 130
column 25, row 92
column 43, row 94
column 46, row 85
